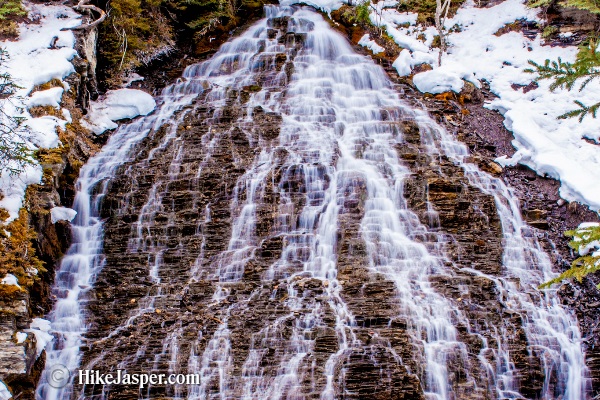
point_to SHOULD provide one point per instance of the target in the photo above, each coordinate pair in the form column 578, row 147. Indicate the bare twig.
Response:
column 124, row 47
column 441, row 8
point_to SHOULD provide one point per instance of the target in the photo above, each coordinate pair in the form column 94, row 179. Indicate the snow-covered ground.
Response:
column 44, row 52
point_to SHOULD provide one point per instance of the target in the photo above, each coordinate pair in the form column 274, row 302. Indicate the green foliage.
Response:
column 362, row 12
column 584, row 241
column 592, row 6
column 540, row 3
column 137, row 32
column 10, row 9
column 426, row 9
column 586, row 68
column 14, row 152
column 549, row 31
column 134, row 32
column 17, row 254
column 211, row 13
column 582, row 111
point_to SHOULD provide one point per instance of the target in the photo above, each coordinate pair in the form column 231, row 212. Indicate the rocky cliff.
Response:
column 163, row 306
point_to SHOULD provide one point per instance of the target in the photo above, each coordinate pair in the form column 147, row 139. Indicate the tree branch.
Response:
column 82, row 5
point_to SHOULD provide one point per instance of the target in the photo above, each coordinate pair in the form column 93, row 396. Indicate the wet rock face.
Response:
column 186, row 288
column 483, row 132
column 177, row 208
column 443, row 198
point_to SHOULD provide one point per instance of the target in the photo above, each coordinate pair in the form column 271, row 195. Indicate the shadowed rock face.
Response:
column 293, row 233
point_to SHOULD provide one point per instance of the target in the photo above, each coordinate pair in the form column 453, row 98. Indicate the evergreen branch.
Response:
column 592, row 6
column 563, row 73
column 585, row 241
column 594, row 75
column 15, row 154
column 539, row 3
column 582, row 111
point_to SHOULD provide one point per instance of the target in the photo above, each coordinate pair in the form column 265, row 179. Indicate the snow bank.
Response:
column 45, row 130
column 62, row 214
column 50, row 97
column 370, row 44
column 407, row 60
column 40, row 327
column 33, row 58
column 42, row 52
column 10, row 279
column 393, row 16
column 438, row 81
column 117, row 105
column 549, row 146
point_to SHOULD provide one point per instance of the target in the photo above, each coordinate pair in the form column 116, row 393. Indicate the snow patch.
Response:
column 62, row 214
column 370, row 44
column 402, row 63
column 40, row 327
column 546, row 144
column 407, row 60
column 392, row 15
column 438, row 81
column 4, row 392
column 43, row 130
column 50, row 97
column 117, row 105
column 13, row 188
column 10, row 279
column 21, row 337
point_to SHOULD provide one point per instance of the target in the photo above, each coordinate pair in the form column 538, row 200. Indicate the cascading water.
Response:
column 84, row 258
column 260, row 218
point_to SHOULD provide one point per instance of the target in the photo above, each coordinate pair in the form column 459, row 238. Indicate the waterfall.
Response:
column 255, row 230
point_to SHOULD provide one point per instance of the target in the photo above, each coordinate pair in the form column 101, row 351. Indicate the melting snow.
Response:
column 117, row 105
column 62, row 214
column 370, row 44
column 40, row 327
